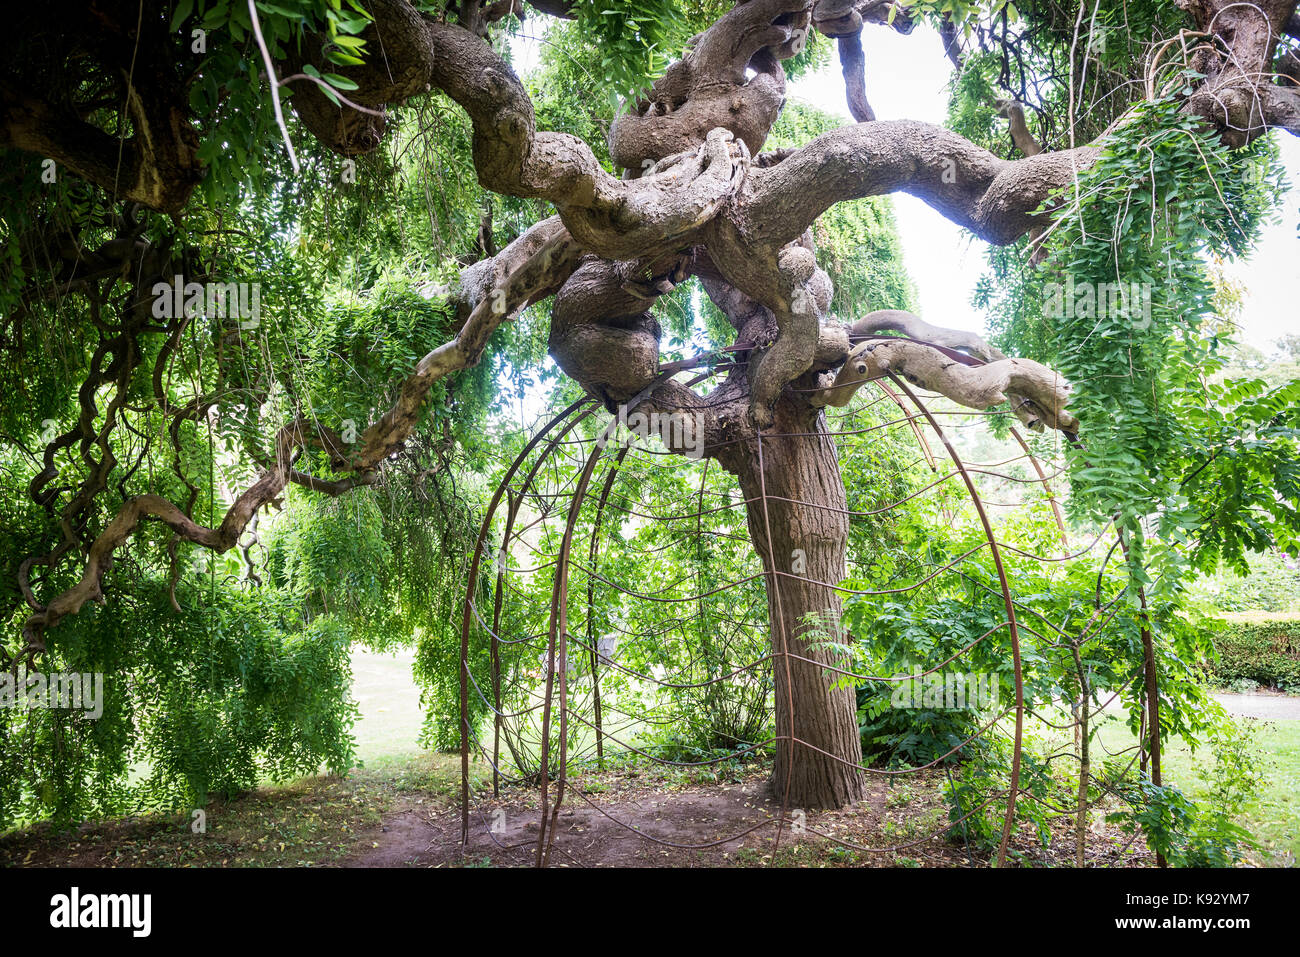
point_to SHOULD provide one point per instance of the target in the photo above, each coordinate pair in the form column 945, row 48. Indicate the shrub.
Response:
column 1204, row 834
column 1262, row 650
column 233, row 690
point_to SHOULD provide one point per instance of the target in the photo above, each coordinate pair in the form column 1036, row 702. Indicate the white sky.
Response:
column 907, row 79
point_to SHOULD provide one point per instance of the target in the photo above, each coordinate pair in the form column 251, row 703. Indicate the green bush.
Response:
column 1263, row 650
column 235, row 689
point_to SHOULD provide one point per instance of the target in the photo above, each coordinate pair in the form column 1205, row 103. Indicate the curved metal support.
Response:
column 1011, row 614
column 467, row 616
column 593, row 551
column 559, row 633
column 1042, row 478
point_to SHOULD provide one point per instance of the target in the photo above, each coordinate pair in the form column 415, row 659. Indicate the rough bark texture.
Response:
column 975, row 386
column 709, row 84
column 818, row 751
column 1238, row 95
column 156, row 165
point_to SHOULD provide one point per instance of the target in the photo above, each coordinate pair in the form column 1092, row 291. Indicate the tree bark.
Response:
column 818, row 754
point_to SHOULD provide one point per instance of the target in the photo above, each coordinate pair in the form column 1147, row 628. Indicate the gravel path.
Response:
column 1272, row 707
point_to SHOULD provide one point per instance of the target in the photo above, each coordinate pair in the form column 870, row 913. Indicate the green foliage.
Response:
column 1204, row 835
column 1271, row 586
column 635, row 40
column 964, row 15
column 1166, row 200
column 976, row 798
column 259, row 693
column 694, row 643
column 1196, row 470
column 1072, row 70
column 364, row 345
column 1266, row 652
column 1192, row 463
column 1154, row 200
column 247, row 678
column 626, row 44
column 268, row 697
column 241, row 145
column 955, row 623
column 250, row 682
column 332, row 556
column 570, row 67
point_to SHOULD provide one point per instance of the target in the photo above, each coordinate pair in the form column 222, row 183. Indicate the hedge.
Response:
column 1259, row 649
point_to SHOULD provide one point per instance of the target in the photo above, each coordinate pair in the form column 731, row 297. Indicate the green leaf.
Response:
column 182, row 12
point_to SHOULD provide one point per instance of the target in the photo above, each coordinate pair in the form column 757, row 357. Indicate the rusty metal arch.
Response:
column 557, row 631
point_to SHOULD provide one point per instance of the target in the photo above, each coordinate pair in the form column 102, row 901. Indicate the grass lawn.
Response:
column 1274, row 816
column 389, row 728
column 311, row 822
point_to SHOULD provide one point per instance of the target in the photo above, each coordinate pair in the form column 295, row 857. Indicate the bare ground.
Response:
column 616, row 819
column 409, row 817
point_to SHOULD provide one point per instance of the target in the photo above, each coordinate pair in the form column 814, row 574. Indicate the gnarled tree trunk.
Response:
column 818, row 750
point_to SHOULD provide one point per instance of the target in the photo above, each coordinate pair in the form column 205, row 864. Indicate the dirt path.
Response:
column 617, row 833
column 647, row 825
column 408, row 817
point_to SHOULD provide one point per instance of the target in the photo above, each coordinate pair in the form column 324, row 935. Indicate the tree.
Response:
column 135, row 103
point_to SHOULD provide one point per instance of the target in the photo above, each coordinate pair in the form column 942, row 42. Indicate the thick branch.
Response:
column 135, row 510
column 978, row 387
column 157, row 166
column 1236, row 95
column 533, row 266
column 960, row 365
column 841, row 18
column 993, row 197
column 914, row 327
column 853, row 66
column 1014, row 111
column 711, row 87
